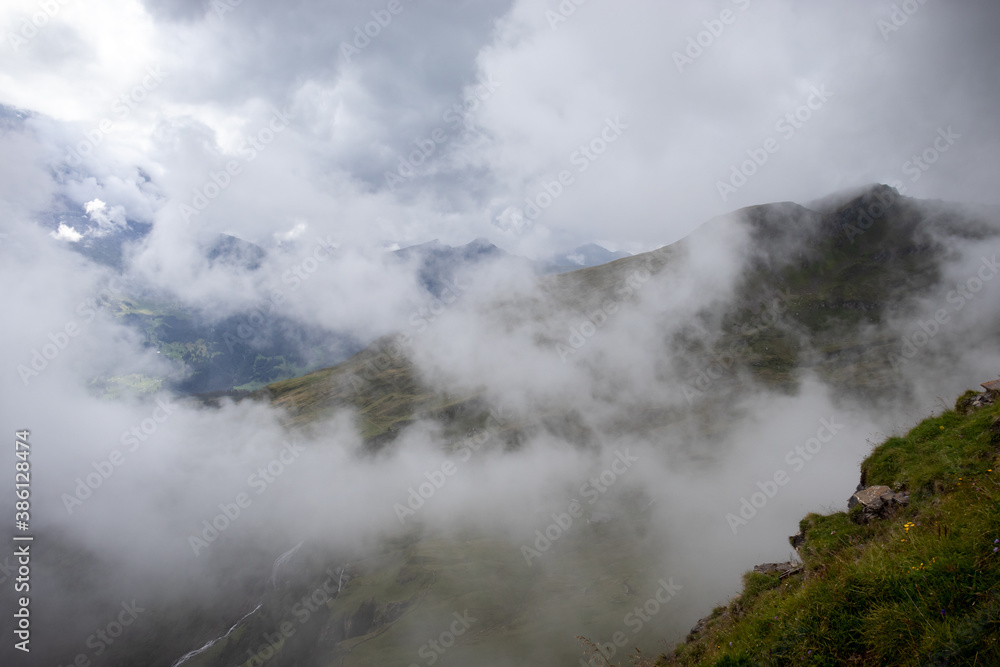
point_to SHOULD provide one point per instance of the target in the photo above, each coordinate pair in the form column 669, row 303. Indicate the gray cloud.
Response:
column 346, row 118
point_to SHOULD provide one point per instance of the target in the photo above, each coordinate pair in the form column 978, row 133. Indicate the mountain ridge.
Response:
column 842, row 272
column 909, row 583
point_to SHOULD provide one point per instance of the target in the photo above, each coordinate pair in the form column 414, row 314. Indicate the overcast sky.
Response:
column 501, row 95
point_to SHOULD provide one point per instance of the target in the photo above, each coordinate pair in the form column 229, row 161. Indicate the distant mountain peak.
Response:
column 581, row 257
column 234, row 251
column 439, row 263
column 839, row 199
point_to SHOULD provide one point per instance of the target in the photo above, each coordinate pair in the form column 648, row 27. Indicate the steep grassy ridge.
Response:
column 921, row 587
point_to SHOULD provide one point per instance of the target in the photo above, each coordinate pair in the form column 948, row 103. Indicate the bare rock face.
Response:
column 975, row 402
column 698, row 628
column 797, row 540
column 362, row 621
column 775, row 568
column 370, row 616
column 389, row 612
column 877, row 502
column 968, row 404
column 781, row 570
column 867, row 497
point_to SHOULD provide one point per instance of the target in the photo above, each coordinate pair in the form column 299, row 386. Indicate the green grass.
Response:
column 919, row 588
column 516, row 608
column 121, row 386
column 833, row 288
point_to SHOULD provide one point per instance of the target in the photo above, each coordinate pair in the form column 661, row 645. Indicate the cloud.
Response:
column 66, row 233
column 278, row 124
column 106, row 220
column 357, row 118
column 292, row 234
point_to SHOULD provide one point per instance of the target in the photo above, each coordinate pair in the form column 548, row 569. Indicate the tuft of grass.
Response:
column 919, row 588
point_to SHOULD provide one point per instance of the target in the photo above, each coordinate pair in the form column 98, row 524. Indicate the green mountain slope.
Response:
column 392, row 604
column 817, row 288
column 919, row 587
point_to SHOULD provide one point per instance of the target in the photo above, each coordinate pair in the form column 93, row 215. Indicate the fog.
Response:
column 595, row 380
column 578, row 443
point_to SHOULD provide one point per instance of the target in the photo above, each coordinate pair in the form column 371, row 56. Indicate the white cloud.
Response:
column 94, row 206
column 106, row 219
column 322, row 177
column 66, row 233
column 292, row 234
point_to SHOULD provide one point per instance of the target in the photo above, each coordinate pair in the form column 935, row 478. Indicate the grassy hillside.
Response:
column 817, row 286
column 921, row 587
column 816, row 290
column 394, row 601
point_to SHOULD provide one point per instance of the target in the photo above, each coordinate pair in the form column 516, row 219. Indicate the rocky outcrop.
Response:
column 388, row 613
column 700, row 626
column 967, row 404
column 782, row 570
column 362, row 621
column 877, row 502
column 797, row 540
column 369, row 617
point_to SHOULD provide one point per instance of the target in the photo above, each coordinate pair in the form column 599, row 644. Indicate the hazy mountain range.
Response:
column 500, row 333
column 253, row 347
column 534, row 457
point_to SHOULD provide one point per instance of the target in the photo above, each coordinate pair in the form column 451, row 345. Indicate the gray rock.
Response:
column 797, row 540
column 868, row 496
column 877, row 502
column 780, row 569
